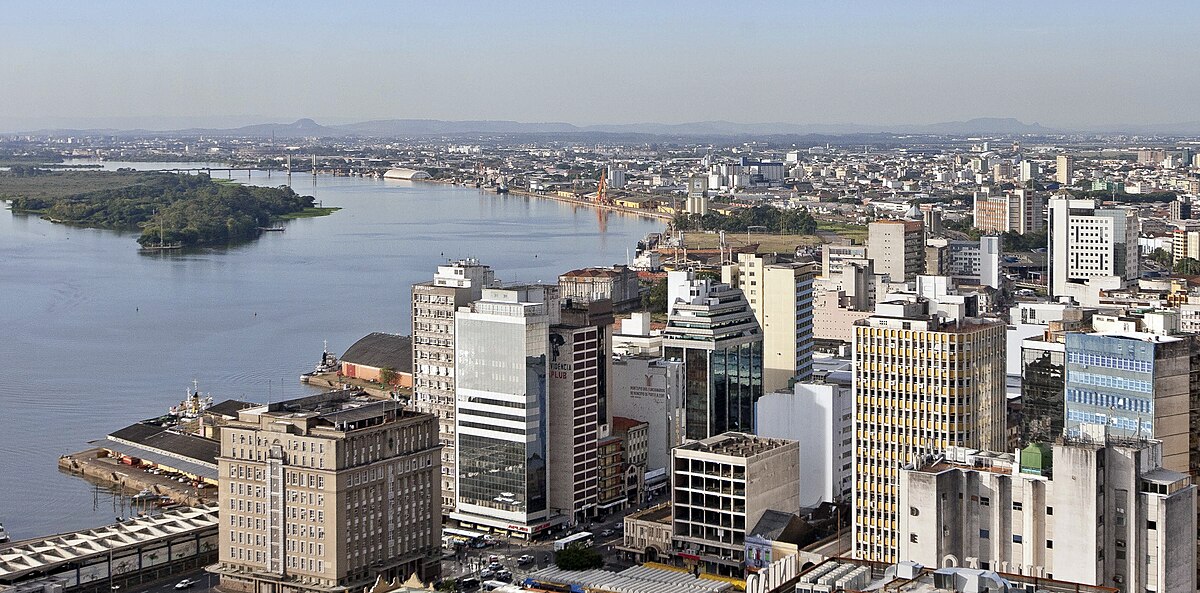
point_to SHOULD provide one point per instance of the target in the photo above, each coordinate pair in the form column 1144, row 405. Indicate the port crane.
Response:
column 602, row 188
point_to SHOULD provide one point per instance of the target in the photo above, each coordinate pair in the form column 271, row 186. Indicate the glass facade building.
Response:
column 501, row 423
column 1043, row 379
column 713, row 331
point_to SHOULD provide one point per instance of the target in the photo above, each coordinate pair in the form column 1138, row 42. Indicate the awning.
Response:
column 195, row 468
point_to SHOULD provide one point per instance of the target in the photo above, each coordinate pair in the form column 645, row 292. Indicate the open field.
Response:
column 766, row 242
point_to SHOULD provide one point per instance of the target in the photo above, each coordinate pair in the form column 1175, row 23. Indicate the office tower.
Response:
column 1029, row 171
column 921, row 384
column 574, row 426
column 1002, row 171
column 1138, row 386
column 818, row 415
column 721, row 487
column 712, row 330
column 434, row 303
column 1013, row 211
column 897, row 248
column 1065, row 169
column 1043, row 381
column 1103, row 513
column 780, row 294
column 502, row 352
column 326, row 493
column 1089, row 242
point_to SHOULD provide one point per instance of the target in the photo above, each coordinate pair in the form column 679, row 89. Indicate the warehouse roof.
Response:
column 382, row 351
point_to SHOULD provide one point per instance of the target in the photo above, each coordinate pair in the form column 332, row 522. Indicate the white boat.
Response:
column 4, row 535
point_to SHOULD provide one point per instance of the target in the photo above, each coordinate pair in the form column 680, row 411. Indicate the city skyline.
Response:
column 1065, row 66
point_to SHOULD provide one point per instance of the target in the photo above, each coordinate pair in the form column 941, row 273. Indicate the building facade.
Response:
column 921, row 384
column 721, row 486
column 712, row 330
column 326, row 493
column 1013, row 211
column 819, row 416
column 1099, row 514
column 1088, row 242
column 897, row 247
column 781, row 296
column 502, row 357
column 434, row 304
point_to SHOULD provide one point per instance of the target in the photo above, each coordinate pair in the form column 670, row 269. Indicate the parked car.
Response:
column 524, row 559
column 495, row 566
column 486, row 574
column 606, row 533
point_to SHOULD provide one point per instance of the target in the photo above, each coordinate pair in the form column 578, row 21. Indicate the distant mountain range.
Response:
column 389, row 128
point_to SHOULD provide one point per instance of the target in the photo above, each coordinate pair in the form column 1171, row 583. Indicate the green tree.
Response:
column 1188, row 266
column 387, row 376
column 577, row 557
column 1161, row 256
column 655, row 299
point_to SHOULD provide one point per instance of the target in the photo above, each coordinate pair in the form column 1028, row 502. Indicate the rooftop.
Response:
column 639, row 579
column 736, row 444
column 855, row 576
column 382, row 351
column 45, row 555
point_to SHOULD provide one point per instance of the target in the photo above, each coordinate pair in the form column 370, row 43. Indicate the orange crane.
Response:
column 601, row 190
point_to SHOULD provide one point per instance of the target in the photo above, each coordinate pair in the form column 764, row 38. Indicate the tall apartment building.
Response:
column 502, row 358
column 1065, row 169
column 326, row 493
column 1136, row 385
column 433, row 306
column 1013, row 211
column 720, row 487
column 1099, row 514
column 781, row 296
column 897, row 247
column 1087, row 242
column 1030, row 170
column 712, row 330
column 921, row 384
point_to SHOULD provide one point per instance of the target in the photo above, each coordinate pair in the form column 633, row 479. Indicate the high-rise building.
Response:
column 1043, row 382
column 575, row 395
column 1014, row 211
column 834, row 255
column 712, row 330
column 1030, row 170
column 434, row 303
column 327, row 493
column 1065, row 169
column 502, row 357
column 897, row 248
column 921, row 383
column 1089, row 242
column 1136, row 385
column 721, row 486
column 781, row 296
column 1099, row 514
column 1181, row 208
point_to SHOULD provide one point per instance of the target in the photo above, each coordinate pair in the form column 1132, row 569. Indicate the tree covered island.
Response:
column 168, row 208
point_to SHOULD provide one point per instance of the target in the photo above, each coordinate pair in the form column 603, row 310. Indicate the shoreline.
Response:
column 528, row 194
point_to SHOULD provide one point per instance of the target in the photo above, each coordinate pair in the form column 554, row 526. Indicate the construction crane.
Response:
column 601, row 189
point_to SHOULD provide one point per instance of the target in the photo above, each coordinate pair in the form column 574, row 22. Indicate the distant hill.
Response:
column 388, row 128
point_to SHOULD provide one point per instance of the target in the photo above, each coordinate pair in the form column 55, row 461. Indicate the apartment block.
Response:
column 781, row 296
column 897, row 247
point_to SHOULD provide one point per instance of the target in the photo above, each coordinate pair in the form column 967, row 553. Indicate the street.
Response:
column 205, row 583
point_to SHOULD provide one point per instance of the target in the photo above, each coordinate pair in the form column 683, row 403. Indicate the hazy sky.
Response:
column 225, row 63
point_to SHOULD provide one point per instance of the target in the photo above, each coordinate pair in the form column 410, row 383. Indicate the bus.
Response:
column 582, row 538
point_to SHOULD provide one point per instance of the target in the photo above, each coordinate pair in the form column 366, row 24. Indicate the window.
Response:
column 985, row 501
column 1017, row 539
column 1151, row 525
column 1049, row 510
column 1016, row 506
column 912, row 537
column 1049, row 546
column 984, row 534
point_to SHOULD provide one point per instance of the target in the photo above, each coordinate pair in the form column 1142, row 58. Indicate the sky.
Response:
column 176, row 64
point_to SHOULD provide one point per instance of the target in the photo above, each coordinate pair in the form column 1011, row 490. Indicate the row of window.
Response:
column 1110, row 362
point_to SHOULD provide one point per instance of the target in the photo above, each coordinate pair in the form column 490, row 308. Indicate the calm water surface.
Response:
column 95, row 335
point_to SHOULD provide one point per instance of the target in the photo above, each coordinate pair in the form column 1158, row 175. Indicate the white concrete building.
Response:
column 820, row 418
column 1098, row 514
column 1088, row 242
column 650, row 389
column 781, row 296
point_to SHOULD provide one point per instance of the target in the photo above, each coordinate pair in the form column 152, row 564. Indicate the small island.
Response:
column 171, row 210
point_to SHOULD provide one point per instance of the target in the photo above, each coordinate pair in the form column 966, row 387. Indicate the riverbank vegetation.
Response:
column 189, row 210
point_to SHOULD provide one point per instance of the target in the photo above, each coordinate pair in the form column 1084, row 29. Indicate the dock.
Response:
column 96, row 465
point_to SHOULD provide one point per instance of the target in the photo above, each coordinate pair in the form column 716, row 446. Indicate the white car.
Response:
column 185, row 584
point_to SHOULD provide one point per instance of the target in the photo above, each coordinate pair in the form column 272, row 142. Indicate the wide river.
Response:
column 95, row 335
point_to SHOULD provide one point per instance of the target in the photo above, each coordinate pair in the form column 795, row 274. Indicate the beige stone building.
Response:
column 326, row 493
column 781, row 295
